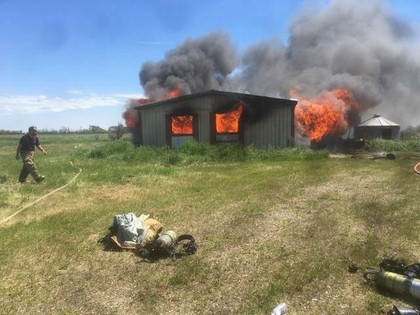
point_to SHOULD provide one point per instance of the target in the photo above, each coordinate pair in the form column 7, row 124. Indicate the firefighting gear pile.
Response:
column 397, row 278
column 146, row 237
column 399, row 266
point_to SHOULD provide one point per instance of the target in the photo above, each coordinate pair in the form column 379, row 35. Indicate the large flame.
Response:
column 130, row 115
column 182, row 125
column 130, row 122
column 326, row 114
column 229, row 122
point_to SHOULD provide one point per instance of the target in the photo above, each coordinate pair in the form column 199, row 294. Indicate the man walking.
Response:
column 26, row 151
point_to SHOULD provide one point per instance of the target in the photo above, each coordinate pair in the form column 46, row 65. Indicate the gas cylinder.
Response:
column 166, row 239
column 398, row 310
column 394, row 282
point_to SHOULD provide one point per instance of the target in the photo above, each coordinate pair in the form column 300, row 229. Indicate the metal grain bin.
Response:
column 377, row 127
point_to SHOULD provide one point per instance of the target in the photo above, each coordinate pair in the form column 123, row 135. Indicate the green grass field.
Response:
column 271, row 226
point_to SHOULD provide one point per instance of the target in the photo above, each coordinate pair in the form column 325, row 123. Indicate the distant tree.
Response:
column 411, row 133
column 64, row 130
column 10, row 132
column 116, row 132
column 96, row 129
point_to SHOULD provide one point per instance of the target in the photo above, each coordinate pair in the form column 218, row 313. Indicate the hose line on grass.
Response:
column 417, row 168
column 43, row 197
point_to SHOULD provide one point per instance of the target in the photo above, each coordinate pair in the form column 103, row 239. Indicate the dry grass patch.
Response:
column 267, row 233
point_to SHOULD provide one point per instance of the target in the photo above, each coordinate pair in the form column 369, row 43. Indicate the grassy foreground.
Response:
column 273, row 226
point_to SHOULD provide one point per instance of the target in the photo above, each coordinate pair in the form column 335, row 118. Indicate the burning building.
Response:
column 214, row 117
column 338, row 63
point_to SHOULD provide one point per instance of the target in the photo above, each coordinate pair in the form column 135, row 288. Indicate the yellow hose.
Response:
column 417, row 168
column 42, row 198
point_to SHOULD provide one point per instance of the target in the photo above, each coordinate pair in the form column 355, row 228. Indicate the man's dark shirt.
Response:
column 28, row 143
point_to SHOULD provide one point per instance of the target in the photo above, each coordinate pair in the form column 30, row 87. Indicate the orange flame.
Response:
column 130, row 115
column 129, row 121
column 174, row 93
column 229, row 122
column 182, row 125
column 325, row 114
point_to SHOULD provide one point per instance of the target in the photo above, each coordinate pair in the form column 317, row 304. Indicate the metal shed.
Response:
column 377, row 127
column 260, row 121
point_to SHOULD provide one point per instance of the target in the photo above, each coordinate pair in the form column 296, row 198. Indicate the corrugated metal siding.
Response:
column 154, row 128
column 377, row 121
column 203, row 126
column 368, row 133
column 202, row 107
column 154, row 120
column 272, row 130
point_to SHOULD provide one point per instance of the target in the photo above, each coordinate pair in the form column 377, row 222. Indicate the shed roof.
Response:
column 233, row 95
column 377, row 121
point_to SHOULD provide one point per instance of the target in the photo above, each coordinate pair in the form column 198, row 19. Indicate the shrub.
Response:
column 195, row 152
column 393, row 145
column 192, row 147
column 116, row 132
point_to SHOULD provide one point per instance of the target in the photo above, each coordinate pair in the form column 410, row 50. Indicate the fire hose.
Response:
column 417, row 168
column 43, row 197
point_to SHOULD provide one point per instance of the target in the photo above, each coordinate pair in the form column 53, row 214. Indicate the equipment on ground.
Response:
column 167, row 246
column 394, row 282
column 145, row 236
column 399, row 310
column 396, row 277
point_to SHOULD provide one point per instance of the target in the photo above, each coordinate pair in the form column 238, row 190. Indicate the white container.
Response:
column 279, row 309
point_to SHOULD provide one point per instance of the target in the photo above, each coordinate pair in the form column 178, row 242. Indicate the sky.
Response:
column 72, row 64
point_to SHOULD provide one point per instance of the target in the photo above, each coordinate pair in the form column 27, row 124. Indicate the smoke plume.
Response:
column 195, row 66
column 358, row 46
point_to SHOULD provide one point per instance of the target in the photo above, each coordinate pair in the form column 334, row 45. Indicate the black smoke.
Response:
column 357, row 45
column 194, row 66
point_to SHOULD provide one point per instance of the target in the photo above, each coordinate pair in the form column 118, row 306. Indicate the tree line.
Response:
column 114, row 132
